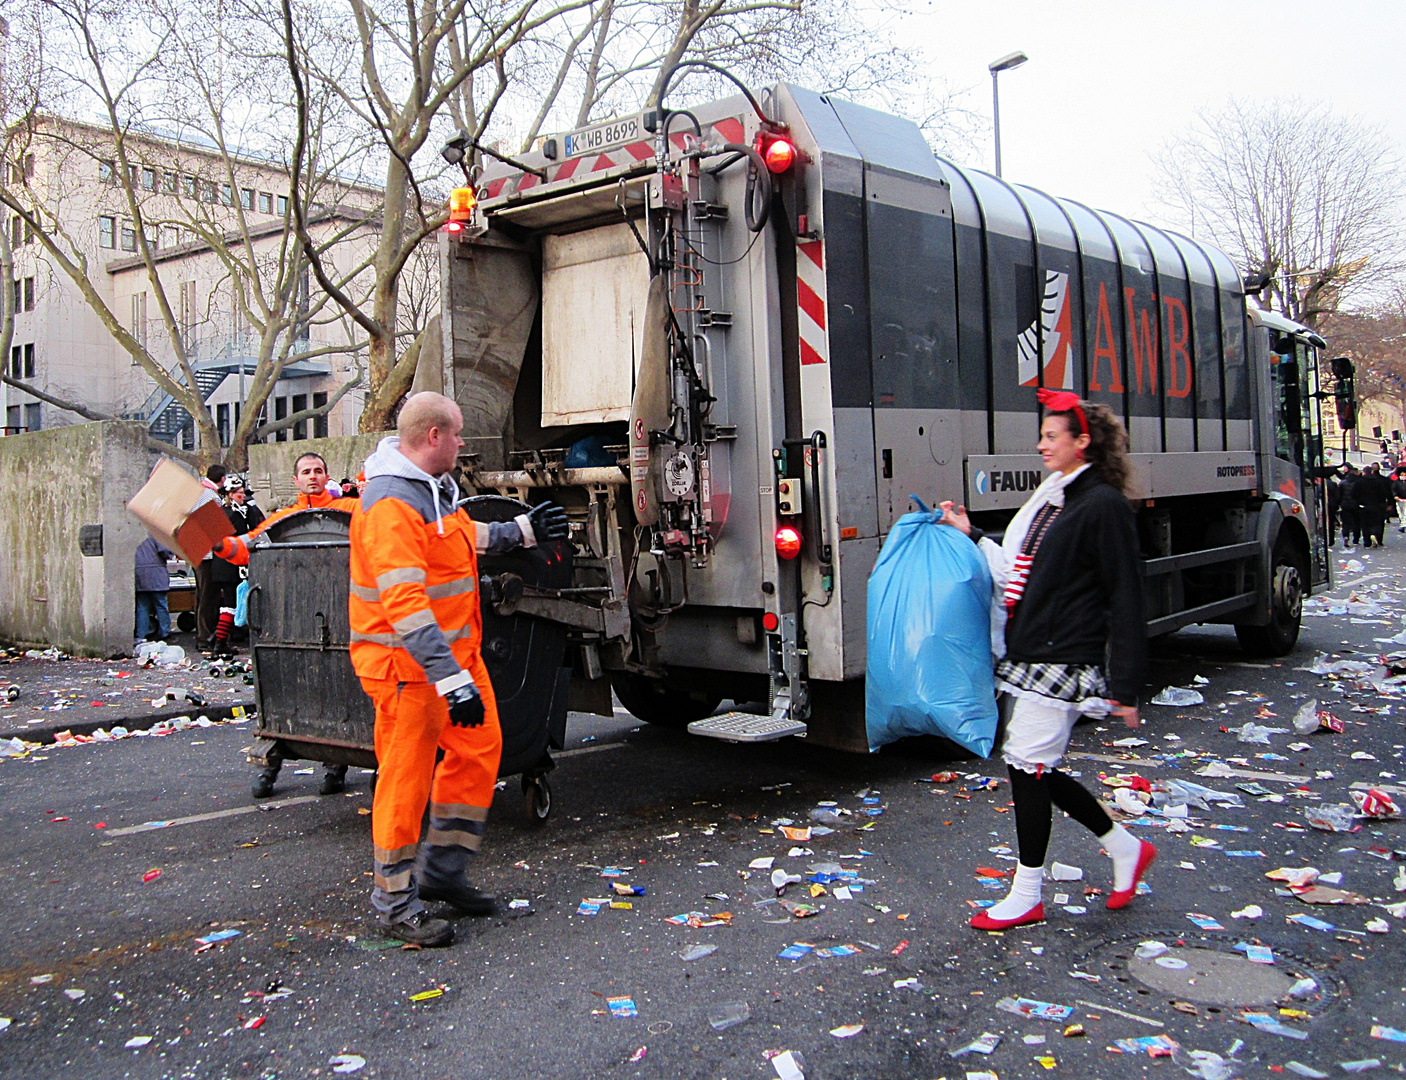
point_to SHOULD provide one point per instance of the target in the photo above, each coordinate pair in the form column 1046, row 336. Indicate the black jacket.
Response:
column 1373, row 493
column 242, row 519
column 1083, row 600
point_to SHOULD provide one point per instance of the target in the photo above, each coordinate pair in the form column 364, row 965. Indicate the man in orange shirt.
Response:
column 310, row 478
column 416, row 630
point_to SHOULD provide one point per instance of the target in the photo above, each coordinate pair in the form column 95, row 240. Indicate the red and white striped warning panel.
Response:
column 726, row 130
column 810, row 298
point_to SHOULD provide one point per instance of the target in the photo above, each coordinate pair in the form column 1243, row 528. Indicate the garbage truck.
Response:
column 734, row 339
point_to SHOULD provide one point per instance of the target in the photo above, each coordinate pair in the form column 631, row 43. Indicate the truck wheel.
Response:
column 1288, row 585
column 656, row 701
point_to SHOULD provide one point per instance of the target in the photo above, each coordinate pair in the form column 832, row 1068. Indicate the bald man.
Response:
column 416, row 633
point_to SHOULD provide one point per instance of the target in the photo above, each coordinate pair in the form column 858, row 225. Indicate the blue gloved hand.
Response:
column 549, row 522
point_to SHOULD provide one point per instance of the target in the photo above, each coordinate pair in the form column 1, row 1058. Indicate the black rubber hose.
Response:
column 669, row 119
column 758, row 204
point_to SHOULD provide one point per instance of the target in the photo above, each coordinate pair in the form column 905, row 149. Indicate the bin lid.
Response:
column 318, row 525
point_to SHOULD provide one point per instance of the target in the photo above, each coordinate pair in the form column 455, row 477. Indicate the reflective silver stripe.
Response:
column 395, row 641
column 361, row 592
column 446, row 589
column 394, row 883
column 416, row 620
column 401, row 576
column 394, row 855
column 453, row 838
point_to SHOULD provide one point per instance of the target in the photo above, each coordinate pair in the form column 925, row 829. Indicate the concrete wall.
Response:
column 51, row 484
column 271, row 464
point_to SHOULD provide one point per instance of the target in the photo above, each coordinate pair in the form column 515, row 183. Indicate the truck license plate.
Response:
column 606, row 136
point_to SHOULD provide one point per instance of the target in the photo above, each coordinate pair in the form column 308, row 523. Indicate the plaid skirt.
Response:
column 1083, row 685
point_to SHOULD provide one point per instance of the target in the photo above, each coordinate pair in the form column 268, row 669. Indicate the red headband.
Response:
column 1063, row 401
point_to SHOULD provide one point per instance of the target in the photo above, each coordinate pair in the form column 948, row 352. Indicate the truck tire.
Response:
column 656, row 701
column 1288, row 585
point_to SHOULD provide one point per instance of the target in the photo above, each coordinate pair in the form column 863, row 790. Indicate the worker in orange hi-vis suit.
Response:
column 310, row 477
column 416, row 630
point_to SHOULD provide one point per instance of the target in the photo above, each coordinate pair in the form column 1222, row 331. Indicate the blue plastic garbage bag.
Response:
column 929, row 664
column 241, row 604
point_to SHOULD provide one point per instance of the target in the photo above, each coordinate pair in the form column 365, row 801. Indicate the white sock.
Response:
column 1123, row 848
column 1024, row 894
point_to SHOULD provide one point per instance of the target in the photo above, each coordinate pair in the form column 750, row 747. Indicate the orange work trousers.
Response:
column 412, row 725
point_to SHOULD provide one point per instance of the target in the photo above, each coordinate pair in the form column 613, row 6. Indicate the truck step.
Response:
column 746, row 727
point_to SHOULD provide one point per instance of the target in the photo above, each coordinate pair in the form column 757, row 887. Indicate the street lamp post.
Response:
column 1005, row 63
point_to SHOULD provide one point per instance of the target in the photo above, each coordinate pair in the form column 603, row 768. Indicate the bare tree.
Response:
column 1375, row 340
column 1292, row 190
column 166, row 93
column 505, row 72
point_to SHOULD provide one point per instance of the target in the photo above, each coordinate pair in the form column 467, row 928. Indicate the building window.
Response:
column 129, row 237
column 16, row 230
column 31, row 416
column 148, row 178
column 12, row 420
column 211, row 191
column 171, row 236
column 133, row 175
column 188, row 187
column 280, row 412
column 171, row 183
column 22, row 170
column 187, row 295
column 107, row 172
column 153, row 237
column 300, row 429
column 222, row 423
column 246, row 198
column 22, row 361
column 226, row 195
column 28, row 294
column 283, row 206
column 139, row 318
column 319, row 423
column 265, row 203
column 107, row 232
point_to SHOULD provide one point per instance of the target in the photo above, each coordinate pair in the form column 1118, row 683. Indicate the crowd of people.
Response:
column 1362, row 501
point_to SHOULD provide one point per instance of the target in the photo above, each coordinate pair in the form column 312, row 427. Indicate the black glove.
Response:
column 549, row 522
column 465, row 706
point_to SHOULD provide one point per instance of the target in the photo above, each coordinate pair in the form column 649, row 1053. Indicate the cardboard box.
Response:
column 180, row 511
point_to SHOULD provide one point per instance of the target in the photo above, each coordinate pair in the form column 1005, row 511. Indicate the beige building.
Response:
column 204, row 212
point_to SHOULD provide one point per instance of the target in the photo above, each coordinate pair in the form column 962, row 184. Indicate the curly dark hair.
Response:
column 1108, row 443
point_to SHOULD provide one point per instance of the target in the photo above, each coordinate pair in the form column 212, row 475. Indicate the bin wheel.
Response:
column 537, row 799
column 185, row 621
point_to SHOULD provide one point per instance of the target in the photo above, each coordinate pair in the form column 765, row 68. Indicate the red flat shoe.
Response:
column 1121, row 899
column 983, row 921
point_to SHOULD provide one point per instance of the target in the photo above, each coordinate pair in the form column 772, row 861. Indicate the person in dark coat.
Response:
column 153, row 583
column 1067, row 575
column 1373, row 492
column 1349, row 508
column 243, row 516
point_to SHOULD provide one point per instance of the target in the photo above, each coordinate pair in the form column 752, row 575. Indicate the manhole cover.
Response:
column 1212, row 978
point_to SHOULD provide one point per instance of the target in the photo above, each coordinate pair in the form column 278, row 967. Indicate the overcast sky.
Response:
column 1109, row 80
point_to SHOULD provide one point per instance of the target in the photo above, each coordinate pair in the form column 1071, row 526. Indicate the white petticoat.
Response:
column 1039, row 727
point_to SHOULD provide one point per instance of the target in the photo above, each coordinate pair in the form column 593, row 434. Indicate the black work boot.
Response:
column 442, row 877
column 459, row 893
column 334, row 780
column 419, row 929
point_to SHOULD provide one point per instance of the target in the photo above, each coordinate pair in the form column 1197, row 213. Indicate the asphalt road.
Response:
column 529, row 996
